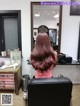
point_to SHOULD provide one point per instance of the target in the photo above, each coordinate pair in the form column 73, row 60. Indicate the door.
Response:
column 11, row 33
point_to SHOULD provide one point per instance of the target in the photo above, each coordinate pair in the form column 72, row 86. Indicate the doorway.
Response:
column 10, row 30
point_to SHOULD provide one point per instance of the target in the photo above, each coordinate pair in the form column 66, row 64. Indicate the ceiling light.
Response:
column 37, row 15
column 56, row 16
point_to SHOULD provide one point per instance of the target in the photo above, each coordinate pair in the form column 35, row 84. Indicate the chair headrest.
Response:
column 54, row 80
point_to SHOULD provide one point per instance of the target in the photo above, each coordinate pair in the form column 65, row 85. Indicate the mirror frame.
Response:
column 60, row 24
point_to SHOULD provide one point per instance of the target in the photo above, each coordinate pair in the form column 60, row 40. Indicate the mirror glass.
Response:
column 48, row 18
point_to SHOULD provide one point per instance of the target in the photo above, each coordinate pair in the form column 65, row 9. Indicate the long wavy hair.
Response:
column 43, row 56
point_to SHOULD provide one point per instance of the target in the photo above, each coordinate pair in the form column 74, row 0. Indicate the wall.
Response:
column 70, row 33
column 24, row 6
column 49, row 23
column 70, row 26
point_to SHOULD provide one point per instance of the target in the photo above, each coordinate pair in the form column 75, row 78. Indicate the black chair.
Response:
column 49, row 92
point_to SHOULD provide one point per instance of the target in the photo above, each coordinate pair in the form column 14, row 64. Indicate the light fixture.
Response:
column 56, row 16
column 37, row 15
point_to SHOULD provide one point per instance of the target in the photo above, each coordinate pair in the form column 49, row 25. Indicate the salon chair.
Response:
column 49, row 92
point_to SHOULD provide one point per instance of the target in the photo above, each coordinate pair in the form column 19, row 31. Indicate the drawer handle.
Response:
column 2, row 84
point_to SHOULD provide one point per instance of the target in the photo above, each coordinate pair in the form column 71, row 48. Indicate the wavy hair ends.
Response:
column 43, row 56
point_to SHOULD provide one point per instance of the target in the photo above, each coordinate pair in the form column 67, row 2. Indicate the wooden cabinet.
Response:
column 10, row 79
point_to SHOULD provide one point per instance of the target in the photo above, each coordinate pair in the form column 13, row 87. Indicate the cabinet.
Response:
column 10, row 79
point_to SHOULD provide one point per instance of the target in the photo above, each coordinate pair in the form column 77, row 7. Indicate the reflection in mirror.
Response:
column 51, row 17
column 46, row 18
column 53, row 38
column 10, row 30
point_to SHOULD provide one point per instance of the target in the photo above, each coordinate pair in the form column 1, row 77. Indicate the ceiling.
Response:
column 46, row 11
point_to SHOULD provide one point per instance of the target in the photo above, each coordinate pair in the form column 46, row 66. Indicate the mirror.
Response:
column 48, row 18
column 10, row 30
column 43, row 18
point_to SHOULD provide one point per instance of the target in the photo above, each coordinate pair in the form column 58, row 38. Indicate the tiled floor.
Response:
column 70, row 71
column 76, row 95
column 18, row 99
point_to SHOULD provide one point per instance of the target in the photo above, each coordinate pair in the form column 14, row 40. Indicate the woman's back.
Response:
column 43, row 57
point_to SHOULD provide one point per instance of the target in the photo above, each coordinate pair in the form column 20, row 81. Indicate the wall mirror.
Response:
column 10, row 30
column 47, row 17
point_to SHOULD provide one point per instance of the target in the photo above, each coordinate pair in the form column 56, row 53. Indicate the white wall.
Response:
column 24, row 6
column 70, row 33
column 70, row 26
column 48, row 23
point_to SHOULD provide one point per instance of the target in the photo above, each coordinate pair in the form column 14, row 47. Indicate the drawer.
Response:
column 7, row 85
column 6, row 75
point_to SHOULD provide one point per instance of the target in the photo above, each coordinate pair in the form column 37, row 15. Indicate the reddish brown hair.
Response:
column 43, row 56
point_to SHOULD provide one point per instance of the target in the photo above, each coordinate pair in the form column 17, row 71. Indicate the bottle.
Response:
column 8, row 52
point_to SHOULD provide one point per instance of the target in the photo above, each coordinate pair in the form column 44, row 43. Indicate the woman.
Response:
column 43, row 57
